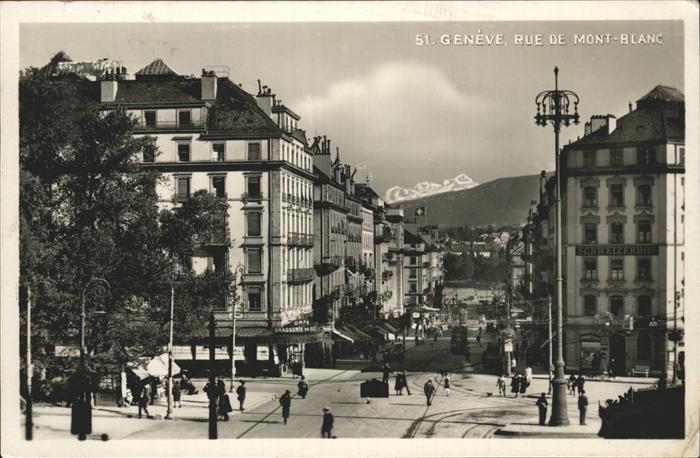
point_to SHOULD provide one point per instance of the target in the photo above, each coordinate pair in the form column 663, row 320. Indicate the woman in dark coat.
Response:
column 303, row 387
column 398, row 385
column 523, row 384
column 286, row 403
column 515, row 384
column 224, row 406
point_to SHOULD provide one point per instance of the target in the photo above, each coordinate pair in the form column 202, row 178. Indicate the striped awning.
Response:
column 340, row 335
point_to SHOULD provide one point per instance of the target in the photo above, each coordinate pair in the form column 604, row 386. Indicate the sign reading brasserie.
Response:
column 617, row 250
column 297, row 326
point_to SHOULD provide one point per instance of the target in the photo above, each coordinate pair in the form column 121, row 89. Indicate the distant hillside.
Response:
column 501, row 201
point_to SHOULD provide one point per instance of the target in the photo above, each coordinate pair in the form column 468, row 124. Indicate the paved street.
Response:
column 471, row 410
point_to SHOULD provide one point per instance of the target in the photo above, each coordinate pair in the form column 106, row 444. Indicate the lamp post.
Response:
column 169, row 412
column 555, row 105
column 239, row 268
column 81, row 414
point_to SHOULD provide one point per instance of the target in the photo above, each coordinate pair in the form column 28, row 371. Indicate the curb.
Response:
column 549, row 435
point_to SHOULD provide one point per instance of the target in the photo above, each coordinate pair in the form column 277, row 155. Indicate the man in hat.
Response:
column 327, row 426
column 286, row 403
column 582, row 406
column 542, row 405
column 429, row 390
column 240, row 391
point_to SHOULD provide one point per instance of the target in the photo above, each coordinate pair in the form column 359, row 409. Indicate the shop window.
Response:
column 617, row 195
column 644, row 306
column 590, row 197
column 183, row 152
column 617, row 233
column 590, row 267
column 254, row 261
column 644, row 269
column 253, row 220
column 617, row 305
column 644, row 195
column 253, row 151
column 644, row 346
column 617, row 269
column 616, row 158
column 589, row 305
column 644, row 232
column 590, row 233
column 254, row 298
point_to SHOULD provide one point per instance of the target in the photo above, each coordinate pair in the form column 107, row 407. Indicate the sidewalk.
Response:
column 627, row 380
column 532, row 428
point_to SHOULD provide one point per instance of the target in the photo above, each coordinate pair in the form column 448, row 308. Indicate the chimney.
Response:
column 630, row 106
column 587, row 129
column 209, row 83
column 346, row 177
column 108, row 88
column 264, row 99
column 322, row 158
column 606, row 121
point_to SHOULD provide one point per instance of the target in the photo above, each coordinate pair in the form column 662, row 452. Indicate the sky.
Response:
column 400, row 112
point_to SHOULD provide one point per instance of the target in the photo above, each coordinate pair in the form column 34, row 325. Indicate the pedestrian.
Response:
column 513, row 364
column 144, row 396
column 154, row 389
column 404, row 382
column 501, row 384
column 327, row 426
column 572, row 384
column 580, row 381
column 515, row 384
column 286, row 403
column 224, row 406
column 220, row 389
column 446, row 382
column 176, row 394
column 582, row 405
column 522, row 384
column 240, row 391
column 398, row 385
column 542, row 404
column 303, row 387
column 429, row 390
column 528, row 375
column 385, row 373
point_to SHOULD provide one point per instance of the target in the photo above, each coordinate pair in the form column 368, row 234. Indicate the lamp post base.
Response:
column 560, row 413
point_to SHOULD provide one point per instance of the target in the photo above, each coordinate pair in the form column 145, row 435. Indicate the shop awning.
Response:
column 340, row 335
column 349, row 333
column 358, row 332
column 182, row 352
column 422, row 308
column 389, row 328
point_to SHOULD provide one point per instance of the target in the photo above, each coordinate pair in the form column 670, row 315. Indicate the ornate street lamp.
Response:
column 81, row 413
column 554, row 106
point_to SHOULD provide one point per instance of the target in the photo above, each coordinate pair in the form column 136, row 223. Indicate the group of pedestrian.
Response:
column 401, row 383
column 576, row 384
column 220, row 397
column 518, row 384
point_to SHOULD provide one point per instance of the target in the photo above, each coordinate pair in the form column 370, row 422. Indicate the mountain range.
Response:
column 504, row 201
column 427, row 188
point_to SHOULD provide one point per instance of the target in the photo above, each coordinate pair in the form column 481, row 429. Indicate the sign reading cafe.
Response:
column 617, row 250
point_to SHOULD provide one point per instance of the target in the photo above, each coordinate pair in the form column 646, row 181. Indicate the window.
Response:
column 413, row 260
column 644, row 306
column 254, row 298
column 182, row 188
column 589, row 158
column 644, row 232
column 253, row 224
column 413, row 288
column 150, row 118
column 616, row 158
column 218, row 184
column 149, row 152
column 681, row 155
column 183, row 152
column 253, row 186
column 646, row 155
column 219, row 151
column 590, row 233
column 644, row 195
column 590, row 269
column 253, row 151
column 590, row 196
column 617, row 305
column 644, row 346
column 617, row 233
column 184, row 118
column 644, row 269
column 617, row 269
column 589, row 305
column 412, row 273
column 254, row 261
column 617, row 195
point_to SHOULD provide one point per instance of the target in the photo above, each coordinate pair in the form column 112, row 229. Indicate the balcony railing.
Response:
column 387, row 274
column 293, row 239
column 251, row 196
column 307, row 240
column 300, row 275
column 169, row 125
column 181, row 196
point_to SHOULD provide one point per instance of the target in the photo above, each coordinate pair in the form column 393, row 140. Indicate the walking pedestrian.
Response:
column 542, row 404
column 429, row 390
column 144, row 396
column 224, row 406
column 446, row 382
column 176, row 394
column 286, row 403
column 572, row 384
column 528, row 375
column 582, row 405
column 147, row 389
column 523, row 384
column 385, row 373
column 515, row 384
column 154, row 389
column 580, row 381
column 240, row 391
column 303, row 387
column 501, row 384
column 327, row 426
column 398, row 385
column 404, row 382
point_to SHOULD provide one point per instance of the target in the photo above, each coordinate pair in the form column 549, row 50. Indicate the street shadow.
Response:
column 346, row 402
column 403, row 404
column 267, row 422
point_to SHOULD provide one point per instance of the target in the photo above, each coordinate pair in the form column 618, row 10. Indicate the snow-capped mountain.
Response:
column 426, row 188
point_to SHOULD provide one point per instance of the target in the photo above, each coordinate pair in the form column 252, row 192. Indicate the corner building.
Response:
column 624, row 238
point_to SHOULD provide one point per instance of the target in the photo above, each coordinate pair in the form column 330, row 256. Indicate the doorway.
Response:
column 617, row 351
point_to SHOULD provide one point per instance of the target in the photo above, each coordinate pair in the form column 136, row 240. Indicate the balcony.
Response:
column 337, row 293
column 350, row 290
column 181, row 196
column 329, row 264
column 307, row 240
column 293, row 239
column 142, row 125
column 248, row 196
column 387, row 274
column 383, row 235
column 351, row 263
column 426, row 263
column 300, row 275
